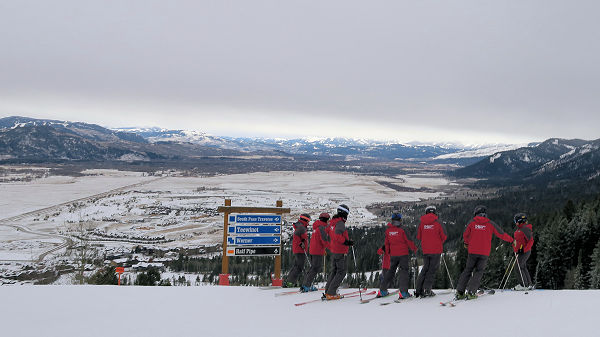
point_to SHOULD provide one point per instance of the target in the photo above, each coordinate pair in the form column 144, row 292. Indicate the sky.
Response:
column 471, row 71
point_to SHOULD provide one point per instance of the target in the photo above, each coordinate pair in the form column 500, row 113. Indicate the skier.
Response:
column 522, row 247
column 432, row 236
column 397, row 244
column 477, row 238
column 299, row 249
column 339, row 243
column 318, row 241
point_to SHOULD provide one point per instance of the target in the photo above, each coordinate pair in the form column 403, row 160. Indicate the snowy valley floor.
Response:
column 245, row 311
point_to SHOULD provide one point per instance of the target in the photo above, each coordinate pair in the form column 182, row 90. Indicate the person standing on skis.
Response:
column 299, row 248
column 397, row 243
column 432, row 236
column 522, row 248
column 338, row 245
column 478, row 240
column 318, row 242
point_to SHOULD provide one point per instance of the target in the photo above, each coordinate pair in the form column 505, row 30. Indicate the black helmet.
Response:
column 480, row 209
column 396, row 216
column 520, row 218
column 430, row 209
column 343, row 209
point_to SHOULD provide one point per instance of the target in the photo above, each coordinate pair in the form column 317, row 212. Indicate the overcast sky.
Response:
column 470, row 71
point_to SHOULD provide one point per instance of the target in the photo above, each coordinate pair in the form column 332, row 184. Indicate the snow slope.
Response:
column 246, row 311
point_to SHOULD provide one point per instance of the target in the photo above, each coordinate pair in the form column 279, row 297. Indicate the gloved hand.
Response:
column 349, row 243
column 379, row 251
column 302, row 244
column 520, row 251
column 466, row 246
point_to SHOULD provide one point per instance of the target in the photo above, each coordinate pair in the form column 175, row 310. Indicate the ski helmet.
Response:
column 520, row 218
column 396, row 216
column 430, row 209
column 305, row 217
column 324, row 216
column 480, row 209
column 343, row 209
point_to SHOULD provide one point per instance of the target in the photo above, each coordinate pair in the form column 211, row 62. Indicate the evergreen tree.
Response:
column 579, row 275
column 594, row 273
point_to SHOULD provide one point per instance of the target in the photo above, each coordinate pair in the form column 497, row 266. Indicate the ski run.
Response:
column 248, row 311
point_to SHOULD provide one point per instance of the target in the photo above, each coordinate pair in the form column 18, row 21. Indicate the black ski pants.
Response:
column 388, row 279
column 299, row 259
column 471, row 275
column 431, row 263
column 336, row 273
column 316, row 265
column 522, row 260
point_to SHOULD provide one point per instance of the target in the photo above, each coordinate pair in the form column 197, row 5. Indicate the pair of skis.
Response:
column 356, row 293
column 367, row 300
column 293, row 292
column 480, row 293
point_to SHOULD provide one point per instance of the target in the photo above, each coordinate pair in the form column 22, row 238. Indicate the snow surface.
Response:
column 64, row 311
column 21, row 197
column 481, row 152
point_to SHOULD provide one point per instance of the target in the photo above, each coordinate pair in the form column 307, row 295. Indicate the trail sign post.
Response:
column 252, row 231
column 119, row 270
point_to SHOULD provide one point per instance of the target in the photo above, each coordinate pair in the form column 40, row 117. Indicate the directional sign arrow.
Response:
column 253, row 251
column 253, row 240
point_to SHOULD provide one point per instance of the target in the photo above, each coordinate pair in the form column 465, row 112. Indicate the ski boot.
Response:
column 471, row 295
column 324, row 297
column 332, row 297
column 519, row 287
column 419, row 294
column 288, row 285
column 460, row 295
column 404, row 295
column 382, row 293
column 305, row 289
column 428, row 293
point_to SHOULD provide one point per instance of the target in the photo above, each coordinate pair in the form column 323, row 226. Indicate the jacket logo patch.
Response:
column 428, row 227
column 479, row 226
column 393, row 233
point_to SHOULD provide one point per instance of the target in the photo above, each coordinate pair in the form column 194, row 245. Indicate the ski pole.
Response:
column 506, row 272
column 308, row 259
column 447, row 270
column 510, row 272
column 520, row 271
column 356, row 270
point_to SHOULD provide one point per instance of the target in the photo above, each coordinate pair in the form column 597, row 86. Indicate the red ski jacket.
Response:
column 300, row 236
column 431, row 234
column 478, row 235
column 523, row 238
column 338, row 235
column 396, row 241
column 319, row 238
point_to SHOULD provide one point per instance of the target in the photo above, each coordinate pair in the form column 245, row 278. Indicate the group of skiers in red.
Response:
column 332, row 234
column 327, row 233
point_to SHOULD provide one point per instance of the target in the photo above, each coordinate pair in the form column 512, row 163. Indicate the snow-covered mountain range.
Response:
column 553, row 159
column 322, row 146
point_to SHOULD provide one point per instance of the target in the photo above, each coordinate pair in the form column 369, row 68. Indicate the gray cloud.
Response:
column 520, row 69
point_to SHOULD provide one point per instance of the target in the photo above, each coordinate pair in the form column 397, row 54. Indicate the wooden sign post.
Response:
column 273, row 249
